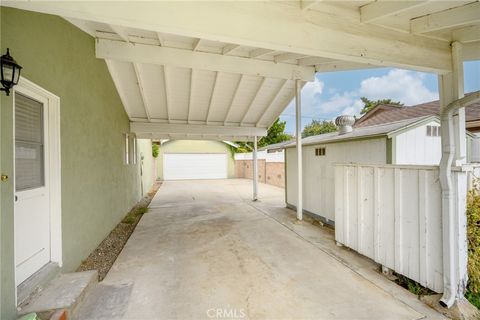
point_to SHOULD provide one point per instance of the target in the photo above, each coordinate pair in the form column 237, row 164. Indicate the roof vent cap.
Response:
column 345, row 123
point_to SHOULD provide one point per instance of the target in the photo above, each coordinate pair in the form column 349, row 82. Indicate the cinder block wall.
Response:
column 275, row 173
column 268, row 172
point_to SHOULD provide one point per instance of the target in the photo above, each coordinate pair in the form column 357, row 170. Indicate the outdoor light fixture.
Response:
column 10, row 72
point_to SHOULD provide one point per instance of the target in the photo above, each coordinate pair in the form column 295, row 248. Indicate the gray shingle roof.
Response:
column 381, row 115
column 276, row 146
column 357, row 133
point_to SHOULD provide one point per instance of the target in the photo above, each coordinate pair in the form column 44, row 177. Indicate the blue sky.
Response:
column 335, row 93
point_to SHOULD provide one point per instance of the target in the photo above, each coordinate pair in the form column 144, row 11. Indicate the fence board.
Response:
column 392, row 214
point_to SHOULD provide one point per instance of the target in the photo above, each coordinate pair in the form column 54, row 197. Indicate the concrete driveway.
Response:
column 204, row 250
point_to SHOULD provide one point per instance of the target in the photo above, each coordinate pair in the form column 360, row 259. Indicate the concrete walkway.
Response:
column 204, row 250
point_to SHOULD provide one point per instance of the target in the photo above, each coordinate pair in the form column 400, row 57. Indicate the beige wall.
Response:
column 195, row 146
column 268, row 172
column 147, row 164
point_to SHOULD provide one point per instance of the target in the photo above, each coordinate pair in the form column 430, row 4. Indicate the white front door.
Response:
column 32, row 188
column 182, row 166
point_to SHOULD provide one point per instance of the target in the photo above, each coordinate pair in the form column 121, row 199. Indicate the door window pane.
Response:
column 29, row 146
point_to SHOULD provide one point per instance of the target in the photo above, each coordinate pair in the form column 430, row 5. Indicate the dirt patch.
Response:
column 103, row 257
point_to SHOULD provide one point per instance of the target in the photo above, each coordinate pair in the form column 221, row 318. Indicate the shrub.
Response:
column 155, row 150
column 473, row 238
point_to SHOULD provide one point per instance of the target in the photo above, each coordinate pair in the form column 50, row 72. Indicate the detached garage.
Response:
column 195, row 159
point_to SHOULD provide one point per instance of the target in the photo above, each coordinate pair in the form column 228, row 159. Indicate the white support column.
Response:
column 255, row 170
column 459, row 117
column 298, row 134
column 453, row 183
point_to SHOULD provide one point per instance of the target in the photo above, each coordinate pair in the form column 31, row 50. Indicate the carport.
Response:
column 226, row 70
column 204, row 250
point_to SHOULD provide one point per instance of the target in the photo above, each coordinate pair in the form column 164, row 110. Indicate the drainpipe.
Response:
column 448, row 153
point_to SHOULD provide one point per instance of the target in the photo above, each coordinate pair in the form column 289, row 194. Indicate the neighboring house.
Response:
column 271, row 165
column 388, row 113
column 414, row 141
column 195, row 159
column 75, row 173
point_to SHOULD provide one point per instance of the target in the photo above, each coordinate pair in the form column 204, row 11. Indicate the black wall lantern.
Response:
column 10, row 72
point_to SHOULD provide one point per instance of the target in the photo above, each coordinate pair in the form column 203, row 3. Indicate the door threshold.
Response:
column 36, row 281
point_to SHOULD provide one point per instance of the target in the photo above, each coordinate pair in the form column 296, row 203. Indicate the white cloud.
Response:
column 338, row 102
column 354, row 108
column 398, row 85
column 324, row 102
column 311, row 95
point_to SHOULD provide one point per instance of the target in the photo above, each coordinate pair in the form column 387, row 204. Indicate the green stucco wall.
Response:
column 7, row 281
column 195, row 146
column 97, row 188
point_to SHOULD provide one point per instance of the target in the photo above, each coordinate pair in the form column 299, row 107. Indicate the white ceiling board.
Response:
column 385, row 9
column 202, row 87
column 233, row 63
column 456, row 17
column 124, row 77
column 283, row 98
column 266, row 24
column 243, row 98
column 189, row 129
column 401, row 21
column 118, row 50
column 154, row 90
column 264, row 98
column 223, row 96
column 178, row 88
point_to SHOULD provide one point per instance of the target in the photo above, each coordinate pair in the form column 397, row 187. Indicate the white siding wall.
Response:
column 392, row 214
column 475, row 150
column 414, row 147
column 319, row 174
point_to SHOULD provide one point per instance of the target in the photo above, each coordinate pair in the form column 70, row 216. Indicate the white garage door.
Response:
column 182, row 166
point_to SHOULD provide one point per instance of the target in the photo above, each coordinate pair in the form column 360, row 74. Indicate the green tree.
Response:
column 275, row 134
column 155, row 150
column 317, row 127
column 370, row 104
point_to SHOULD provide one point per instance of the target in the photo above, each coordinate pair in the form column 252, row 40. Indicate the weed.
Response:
column 134, row 215
column 473, row 237
column 412, row 286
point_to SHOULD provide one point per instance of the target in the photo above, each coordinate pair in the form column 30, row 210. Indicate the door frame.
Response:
column 53, row 161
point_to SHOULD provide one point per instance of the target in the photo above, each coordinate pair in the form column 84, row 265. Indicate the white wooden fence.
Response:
column 262, row 155
column 392, row 214
column 474, row 177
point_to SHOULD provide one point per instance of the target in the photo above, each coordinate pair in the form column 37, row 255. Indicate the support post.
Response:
column 453, row 184
column 459, row 116
column 255, row 170
column 298, row 134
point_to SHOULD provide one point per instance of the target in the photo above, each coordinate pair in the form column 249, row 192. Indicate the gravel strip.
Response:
column 103, row 257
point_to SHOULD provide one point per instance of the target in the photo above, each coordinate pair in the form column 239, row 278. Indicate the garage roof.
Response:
column 226, row 70
column 380, row 130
